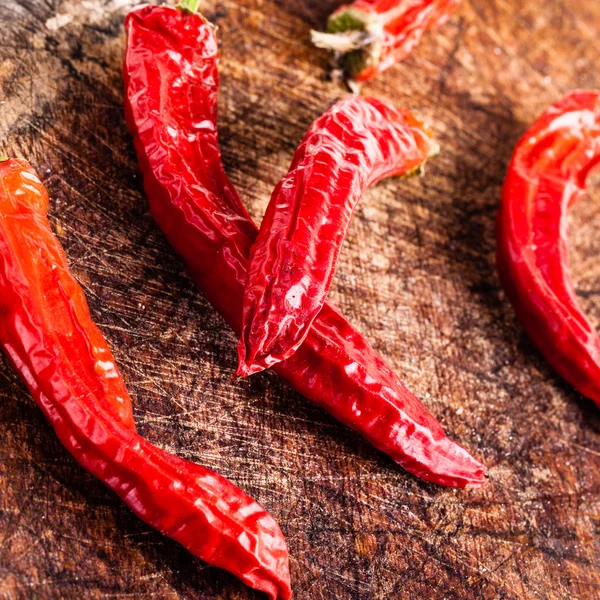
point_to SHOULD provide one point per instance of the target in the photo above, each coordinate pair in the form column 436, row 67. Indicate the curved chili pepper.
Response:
column 47, row 333
column 546, row 176
column 171, row 84
column 369, row 36
column 356, row 143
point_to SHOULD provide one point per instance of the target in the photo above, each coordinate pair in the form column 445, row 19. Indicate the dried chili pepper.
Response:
column 47, row 333
column 171, row 84
column 547, row 175
column 369, row 36
column 354, row 144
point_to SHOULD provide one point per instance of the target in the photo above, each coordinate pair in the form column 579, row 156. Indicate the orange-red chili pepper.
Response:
column 171, row 83
column 48, row 335
column 369, row 36
column 357, row 142
column 547, row 175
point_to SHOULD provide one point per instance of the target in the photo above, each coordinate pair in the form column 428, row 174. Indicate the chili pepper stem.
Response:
column 340, row 42
column 190, row 6
column 354, row 86
column 369, row 36
column 338, row 77
column 419, row 170
column 434, row 150
column 355, row 37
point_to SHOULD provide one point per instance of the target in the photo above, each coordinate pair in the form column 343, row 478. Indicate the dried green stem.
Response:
column 190, row 6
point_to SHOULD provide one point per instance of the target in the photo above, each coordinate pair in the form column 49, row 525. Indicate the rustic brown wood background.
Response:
column 417, row 277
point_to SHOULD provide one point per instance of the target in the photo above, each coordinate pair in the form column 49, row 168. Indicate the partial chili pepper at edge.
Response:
column 171, row 84
column 356, row 143
column 546, row 176
column 369, row 36
column 47, row 334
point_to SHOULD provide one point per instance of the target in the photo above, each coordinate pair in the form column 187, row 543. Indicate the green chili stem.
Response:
column 189, row 5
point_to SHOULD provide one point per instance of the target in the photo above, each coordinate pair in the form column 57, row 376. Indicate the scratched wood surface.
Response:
column 416, row 276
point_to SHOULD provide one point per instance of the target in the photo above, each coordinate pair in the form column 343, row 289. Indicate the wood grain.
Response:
column 417, row 276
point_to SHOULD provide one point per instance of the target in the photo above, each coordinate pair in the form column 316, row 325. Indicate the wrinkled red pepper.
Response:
column 171, row 85
column 354, row 144
column 369, row 36
column 547, row 175
column 47, row 333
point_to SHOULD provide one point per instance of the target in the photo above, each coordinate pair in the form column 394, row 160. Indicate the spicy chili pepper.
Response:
column 48, row 335
column 171, row 84
column 354, row 144
column 546, row 176
column 369, row 36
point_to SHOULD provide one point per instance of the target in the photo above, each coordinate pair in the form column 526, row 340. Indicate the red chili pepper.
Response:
column 47, row 333
column 369, row 36
column 171, row 84
column 354, row 144
column 546, row 176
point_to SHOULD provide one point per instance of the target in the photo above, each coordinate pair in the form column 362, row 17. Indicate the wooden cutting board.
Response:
column 417, row 276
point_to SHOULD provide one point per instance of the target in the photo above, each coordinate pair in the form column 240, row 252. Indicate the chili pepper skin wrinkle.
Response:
column 47, row 334
column 356, row 143
column 174, row 130
column 546, row 176
column 369, row 36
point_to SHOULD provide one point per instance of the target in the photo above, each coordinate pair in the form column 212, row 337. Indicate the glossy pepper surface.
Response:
column 354, row 144
column 171, row 84
column 369, row 36
column 47, row 334
column 547, row 175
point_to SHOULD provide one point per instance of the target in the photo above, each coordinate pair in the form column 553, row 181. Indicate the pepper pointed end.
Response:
column 245, row 369
column 257, row 357
column 256, row 364
column 275, row 580
column 247, row 362
column 449, row 464
column 458, row 468
column 479, row 482
column 478, row 475
column 282, row 590
column 270, row 573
